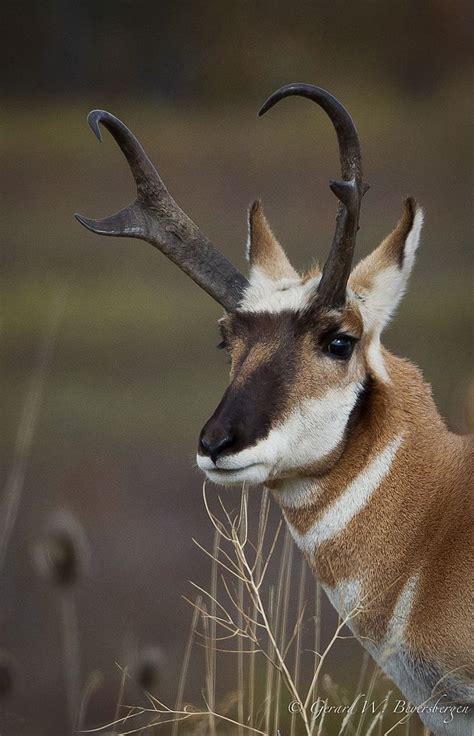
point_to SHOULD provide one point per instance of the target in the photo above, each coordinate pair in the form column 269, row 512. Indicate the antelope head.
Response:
column 305, row 349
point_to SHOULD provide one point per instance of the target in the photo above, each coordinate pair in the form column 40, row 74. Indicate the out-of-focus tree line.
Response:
column 214, row 50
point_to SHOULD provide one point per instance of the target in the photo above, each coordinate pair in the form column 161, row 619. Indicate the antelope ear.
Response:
column 265, row 254
column 381, row 278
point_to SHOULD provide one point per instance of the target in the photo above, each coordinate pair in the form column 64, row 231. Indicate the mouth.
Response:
column 254, row 473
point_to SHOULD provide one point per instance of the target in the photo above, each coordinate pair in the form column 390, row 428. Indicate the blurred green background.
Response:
column 133, row 373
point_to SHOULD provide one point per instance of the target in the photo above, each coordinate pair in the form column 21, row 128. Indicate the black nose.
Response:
column 213, row 442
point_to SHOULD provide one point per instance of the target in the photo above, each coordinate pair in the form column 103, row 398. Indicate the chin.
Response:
column 252, row 474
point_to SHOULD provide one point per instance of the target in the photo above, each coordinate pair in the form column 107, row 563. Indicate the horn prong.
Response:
column 350, row 190
column 345, row 191
column 128, row 222
column 156, row 218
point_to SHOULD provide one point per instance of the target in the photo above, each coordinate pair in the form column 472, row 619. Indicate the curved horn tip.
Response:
column 96, row 117
column 279, row 94
column 92, row 225
column 265, row 108
column 93, row 120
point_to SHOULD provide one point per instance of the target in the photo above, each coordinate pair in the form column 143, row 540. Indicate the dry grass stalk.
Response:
column 244, row 614
column 27, row 426
column 185, row 663
column 93, row 683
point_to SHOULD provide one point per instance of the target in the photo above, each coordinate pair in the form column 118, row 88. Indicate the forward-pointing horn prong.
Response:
column 156, row 218
column 345, row 191
column 128, row 222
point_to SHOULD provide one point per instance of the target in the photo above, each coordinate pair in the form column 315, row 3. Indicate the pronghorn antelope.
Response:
column 374, row 488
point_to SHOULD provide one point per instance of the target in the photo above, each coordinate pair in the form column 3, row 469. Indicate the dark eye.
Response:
column 222, row 345
column 341, row 347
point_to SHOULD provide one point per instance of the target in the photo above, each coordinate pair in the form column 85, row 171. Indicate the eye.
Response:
column 341, row 347
column 222, row 345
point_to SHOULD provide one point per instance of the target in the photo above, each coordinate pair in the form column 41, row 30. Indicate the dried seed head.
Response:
column 147, row 668
column 62, row 554
column 332, row 689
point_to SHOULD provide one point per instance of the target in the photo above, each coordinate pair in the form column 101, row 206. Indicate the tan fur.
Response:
column 420, row 520
column 315, row 377
column 265, row 252
column 257, row 356
column 311, row 273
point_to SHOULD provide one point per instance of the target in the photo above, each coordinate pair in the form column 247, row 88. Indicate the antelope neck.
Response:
column 347, row 519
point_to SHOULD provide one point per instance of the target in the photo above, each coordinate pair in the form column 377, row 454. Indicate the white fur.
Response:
column 388, row 652
column 401, row 613
column 345, row 597
column 375, row 359
column 378, row 305
column 296, row 493
column 393, row 657
column 382, row 300
column 312, row 431
column 353, row 499
column 413, row 241
column 266, row 295
column 253, row 474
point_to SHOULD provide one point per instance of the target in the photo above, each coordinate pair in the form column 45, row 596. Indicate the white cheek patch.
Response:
column 312, row 431
column 351, row 501
column 265, row 295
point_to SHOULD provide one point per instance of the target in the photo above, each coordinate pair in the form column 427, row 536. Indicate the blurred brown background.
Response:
column 133, row 372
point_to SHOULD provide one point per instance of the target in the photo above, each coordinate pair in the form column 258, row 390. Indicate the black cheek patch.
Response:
column 362, row 404
column 248, row 411
column 261, row 399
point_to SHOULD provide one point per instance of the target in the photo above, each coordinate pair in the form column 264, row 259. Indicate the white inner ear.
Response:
column 413, row 241
column 379, row 303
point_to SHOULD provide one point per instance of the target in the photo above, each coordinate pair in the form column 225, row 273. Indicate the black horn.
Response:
column 156, row 218
column 349, row 190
